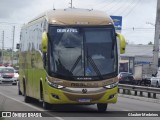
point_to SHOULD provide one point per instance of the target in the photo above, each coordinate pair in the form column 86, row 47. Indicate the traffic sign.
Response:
column 117, row 22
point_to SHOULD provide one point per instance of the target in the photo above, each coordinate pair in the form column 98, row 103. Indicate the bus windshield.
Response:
column 82, row 51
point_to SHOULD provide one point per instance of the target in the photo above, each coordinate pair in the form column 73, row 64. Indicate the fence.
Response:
column 141, row 89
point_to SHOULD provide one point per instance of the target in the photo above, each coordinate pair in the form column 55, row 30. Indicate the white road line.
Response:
column 39, row 109
column 126, row 110
column 59, row 118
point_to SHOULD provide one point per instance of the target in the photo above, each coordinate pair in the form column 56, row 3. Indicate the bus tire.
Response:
column 27, row 99
column 102, row 107
column 19, row 91
column 45, row 105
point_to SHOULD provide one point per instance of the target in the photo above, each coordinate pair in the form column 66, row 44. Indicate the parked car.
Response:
column 126, row 78
column 155, row 81
column 7, row 75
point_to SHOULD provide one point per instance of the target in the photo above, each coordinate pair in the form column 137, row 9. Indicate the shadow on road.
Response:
column 75, row 110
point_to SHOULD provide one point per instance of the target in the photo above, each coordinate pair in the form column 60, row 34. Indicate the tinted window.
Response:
column 98, row 36
column 7, row 70
column 126, row 74
column 82, row 51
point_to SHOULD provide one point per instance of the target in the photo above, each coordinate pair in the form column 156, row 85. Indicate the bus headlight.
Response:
column 55, row 85
column 111, row 85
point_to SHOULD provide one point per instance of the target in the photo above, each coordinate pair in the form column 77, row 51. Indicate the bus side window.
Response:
column 44, row 59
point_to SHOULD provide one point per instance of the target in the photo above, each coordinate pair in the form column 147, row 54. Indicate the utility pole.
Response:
column 53, row 7
column 156, row 39
column 71, row 4
column 2, row 45
column 13, row 44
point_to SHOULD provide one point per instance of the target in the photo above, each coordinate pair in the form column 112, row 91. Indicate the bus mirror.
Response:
column 44, row 42
column 122, row 43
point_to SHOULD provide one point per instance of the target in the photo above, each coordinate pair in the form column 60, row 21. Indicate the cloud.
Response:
column 22, row 11
column 8, row 7
column 143, row 13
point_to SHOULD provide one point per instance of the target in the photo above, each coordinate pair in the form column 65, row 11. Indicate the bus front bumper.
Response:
column 60, row 96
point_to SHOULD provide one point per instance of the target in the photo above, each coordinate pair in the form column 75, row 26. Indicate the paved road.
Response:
column 11, row 101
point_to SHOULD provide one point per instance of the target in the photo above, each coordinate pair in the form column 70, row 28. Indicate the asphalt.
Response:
column 11, row 101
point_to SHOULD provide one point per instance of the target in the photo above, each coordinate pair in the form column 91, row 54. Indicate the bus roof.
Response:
column 76, row 17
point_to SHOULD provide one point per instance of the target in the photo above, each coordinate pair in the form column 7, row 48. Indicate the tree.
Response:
column 150, row 43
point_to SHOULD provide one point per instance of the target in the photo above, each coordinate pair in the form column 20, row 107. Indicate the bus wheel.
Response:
column 46, row 105
column 19, row 92
column 26, row 98
column 102, row 107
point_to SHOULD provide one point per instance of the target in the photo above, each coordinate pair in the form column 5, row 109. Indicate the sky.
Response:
column 138, row 16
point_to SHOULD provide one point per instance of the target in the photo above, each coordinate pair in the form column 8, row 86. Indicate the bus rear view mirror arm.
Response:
column 122, row 43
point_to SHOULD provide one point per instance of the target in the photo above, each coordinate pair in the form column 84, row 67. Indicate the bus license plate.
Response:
column 84, row 100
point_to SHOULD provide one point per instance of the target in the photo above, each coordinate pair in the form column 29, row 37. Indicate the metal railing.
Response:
column 141, row 89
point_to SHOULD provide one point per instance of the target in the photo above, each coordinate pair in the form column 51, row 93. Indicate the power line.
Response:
column 133, row 8
column 11, row 23
column 116, row 3
column 141, row 31
column 137, row 28
column 102, row 3
column 120, row 4
column 112, row 3
column 96, row 4
column 126, row 7
column 119, row 7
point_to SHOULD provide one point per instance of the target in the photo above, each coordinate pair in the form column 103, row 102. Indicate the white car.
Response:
column 155, row 81
column 7, row 76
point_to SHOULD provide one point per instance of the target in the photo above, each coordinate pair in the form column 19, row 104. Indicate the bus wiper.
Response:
column 95, row 67
column 76, row 63
column 69, row 47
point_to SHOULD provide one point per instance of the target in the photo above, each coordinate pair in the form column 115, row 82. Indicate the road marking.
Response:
column 39, row 109
column 59, row 118
column 126, row 110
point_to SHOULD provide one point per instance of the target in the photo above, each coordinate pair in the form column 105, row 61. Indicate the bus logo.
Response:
column 84, row 90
